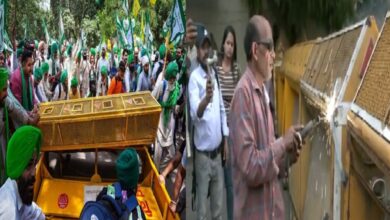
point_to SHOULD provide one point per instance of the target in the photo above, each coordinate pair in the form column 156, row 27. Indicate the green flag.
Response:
column 47, row 36
column 2, row 17
column 178, row 22
column 130, row 36
column 61, row 30
column 125, row 6
column 120, row 32
column 148, row 32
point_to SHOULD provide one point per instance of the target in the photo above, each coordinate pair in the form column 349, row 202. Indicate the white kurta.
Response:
column 12, row 207
column 164, row 147
column 84, row 77
column 57, row 96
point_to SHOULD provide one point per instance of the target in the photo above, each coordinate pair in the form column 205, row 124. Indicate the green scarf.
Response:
column 170, row 103
column 27, row 102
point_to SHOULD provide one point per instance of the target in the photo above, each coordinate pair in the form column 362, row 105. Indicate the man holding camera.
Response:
column 209, row 120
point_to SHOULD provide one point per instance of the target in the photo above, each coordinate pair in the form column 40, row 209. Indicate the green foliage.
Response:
column 21, row 14
column 95, row 17
column 294, row 15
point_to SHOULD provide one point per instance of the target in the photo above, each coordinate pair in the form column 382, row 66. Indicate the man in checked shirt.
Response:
column 258, row 159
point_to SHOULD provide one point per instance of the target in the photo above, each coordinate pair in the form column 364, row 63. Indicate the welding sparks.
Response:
column 332, row 103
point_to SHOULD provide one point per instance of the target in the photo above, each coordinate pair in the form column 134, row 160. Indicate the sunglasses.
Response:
column 267, row 44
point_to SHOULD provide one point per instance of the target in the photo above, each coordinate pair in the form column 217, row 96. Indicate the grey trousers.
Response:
column 209, row 184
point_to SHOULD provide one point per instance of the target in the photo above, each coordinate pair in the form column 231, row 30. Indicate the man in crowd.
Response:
column 21, row 82
column 144, row 83
column 257, row 158
column 13, row 116
column 18, row 191
column 74, row 89
column 159, row 66
column 61, row 90
column 54, row 66
column 116, row 85
column 40, row 59
column 102, row 87
column 167, row 93
column 38, row 86
column 84, row 71
column 103, row 61
column 46, row 81
column 209, row 121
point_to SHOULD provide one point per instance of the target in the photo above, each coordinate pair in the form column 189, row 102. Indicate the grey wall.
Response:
column 217, row 14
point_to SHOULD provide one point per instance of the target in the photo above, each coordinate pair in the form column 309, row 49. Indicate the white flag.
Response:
column 62, row 32
column 178, row 22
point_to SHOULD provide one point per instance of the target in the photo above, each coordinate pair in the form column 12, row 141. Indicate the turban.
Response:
column 3, row 77
column 37, row 74
column 172, row 70
column 162, row 51
column 145, row 60
column 103, row 70
column 64, row 75
column 54, row 48
column 127, row 168
column 24, row 142
column 92, row 51
column 130, row 58
column 45, row 68
column 74, row 82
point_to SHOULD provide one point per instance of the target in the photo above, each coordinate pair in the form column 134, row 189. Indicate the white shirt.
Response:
column 40, row 92
column 155, row 69
column 57, row 96
column 57, row 66
column 207, row 130
column 12, row 207
column 127, row 80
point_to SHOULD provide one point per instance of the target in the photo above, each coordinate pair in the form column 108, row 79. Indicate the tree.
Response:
column 295, row 17
column 24, row 15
